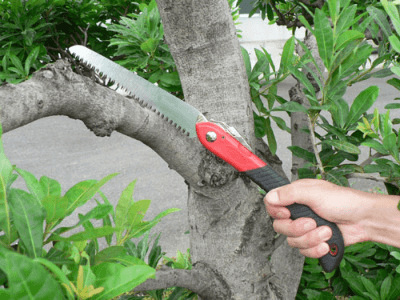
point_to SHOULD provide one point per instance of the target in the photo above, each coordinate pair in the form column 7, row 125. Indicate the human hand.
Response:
column 348, row 208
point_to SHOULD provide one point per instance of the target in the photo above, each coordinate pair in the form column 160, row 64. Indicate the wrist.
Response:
column 383, row 221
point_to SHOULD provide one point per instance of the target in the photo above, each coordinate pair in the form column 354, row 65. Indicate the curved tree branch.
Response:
column 57, row 90
column 201, row 280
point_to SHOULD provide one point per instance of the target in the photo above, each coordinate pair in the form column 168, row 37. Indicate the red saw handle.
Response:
column 226, row 147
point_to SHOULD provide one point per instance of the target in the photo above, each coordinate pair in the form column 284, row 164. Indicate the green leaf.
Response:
column 361, row 104
column 392, row 11
column 247, row 62
column 353, row 279
column 50, row 186
column 31, row 57
column 334, row 7
column 83, row 191
column 281, row 123
column 117, row 254
column 56, row 208
column 385, row 124
column 270, row 136
column 395, row 291
column 108, row 253
column 385, row 288
column 396, row 70
column 17, row 63
column 324, row 37
column 304, row 81
column 5, row 294
column 343, row 145
column 346, row 18
column 370, row 287
column 92, row 234
column 149, row 46
column 170, row 78
column 261, row 66
column 392, row 106
column 395, row 82
column 375, row 168
column 259, row 125
column 291, row 107
column 389, row 142
column 32, row 184
column 122, row 209
column 394, row 41
column 60, row 276
column 304, row 21
column 5, row 176
column 118, row 279
column 28, row 216
column 336, row 179
column 374, row 144
column 137, row 211
column 303, row 153
column 141, row 228
column 347, row 37
column 155, row 253
column 97, row 213
column 27, row 279
column 287, row 54
column 381, row 19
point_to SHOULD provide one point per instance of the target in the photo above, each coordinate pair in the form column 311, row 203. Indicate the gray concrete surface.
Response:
column 64, row 149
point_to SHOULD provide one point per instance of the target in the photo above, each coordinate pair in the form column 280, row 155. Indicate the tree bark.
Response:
column 234, row 251
column 203, row 42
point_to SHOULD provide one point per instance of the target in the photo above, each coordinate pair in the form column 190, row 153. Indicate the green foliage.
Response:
column 52, row 265
column 345, row 53
column 181, row 261
column 290, row 13
column 263, row 81
column 34, row 33
column 140, row 40
column 368, row 271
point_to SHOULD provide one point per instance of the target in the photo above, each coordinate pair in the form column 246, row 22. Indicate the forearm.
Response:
column 383, row 222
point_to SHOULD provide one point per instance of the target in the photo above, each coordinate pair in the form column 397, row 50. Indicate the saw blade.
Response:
column 183, row 115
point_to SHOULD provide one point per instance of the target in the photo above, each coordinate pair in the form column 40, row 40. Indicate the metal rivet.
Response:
column 211, row 136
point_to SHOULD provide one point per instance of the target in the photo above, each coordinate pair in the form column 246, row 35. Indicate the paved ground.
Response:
column 64, row 149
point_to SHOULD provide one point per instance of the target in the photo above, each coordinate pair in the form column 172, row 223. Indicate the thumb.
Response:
column 303, row 191
column 274, row 198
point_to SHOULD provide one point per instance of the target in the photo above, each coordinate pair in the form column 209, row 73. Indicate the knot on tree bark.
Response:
column 215, row 172
column 96, row 106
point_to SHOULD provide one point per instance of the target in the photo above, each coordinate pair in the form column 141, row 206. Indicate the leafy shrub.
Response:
column 52, row 26
column 53, row 266
column 140, row 40
column 368, row 271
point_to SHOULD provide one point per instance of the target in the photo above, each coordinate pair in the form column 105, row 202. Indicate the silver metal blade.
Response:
column 182, row 114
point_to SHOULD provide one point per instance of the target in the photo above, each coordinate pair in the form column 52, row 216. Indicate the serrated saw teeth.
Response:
column 170, row 108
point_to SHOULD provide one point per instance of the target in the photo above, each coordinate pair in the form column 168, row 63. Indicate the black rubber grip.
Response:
column 268, row 179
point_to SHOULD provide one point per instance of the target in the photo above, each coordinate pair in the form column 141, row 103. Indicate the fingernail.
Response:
column 280, row 215
column 273, row 198
column 308, row 226
column 323, row 248
column 324, row 233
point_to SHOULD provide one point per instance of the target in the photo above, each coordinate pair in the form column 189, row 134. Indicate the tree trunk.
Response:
column 230, row 231
column 234, row 250
column 299, row 120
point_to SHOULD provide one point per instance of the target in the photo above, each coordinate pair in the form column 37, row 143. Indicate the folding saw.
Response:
column 222, row 140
